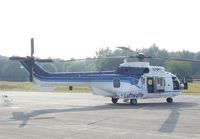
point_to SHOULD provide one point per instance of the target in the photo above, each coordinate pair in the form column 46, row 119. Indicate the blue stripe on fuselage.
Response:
column 105, row 76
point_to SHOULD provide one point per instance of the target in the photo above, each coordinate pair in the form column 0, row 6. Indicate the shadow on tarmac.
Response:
column 167, row 127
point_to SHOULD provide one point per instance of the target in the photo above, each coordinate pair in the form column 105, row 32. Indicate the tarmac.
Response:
column 42, row 115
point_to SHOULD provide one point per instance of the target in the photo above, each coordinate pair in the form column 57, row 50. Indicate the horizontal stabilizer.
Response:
column 44, row 88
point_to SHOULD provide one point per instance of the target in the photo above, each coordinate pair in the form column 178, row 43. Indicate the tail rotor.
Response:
column 31, row 59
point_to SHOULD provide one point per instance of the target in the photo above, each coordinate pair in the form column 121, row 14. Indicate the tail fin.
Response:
column 36, row 68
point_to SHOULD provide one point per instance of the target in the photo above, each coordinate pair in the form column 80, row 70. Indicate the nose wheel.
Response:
column 169, row 100
column 114, row 100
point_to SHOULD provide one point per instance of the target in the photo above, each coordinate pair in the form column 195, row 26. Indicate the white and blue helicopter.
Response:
column 130, row 81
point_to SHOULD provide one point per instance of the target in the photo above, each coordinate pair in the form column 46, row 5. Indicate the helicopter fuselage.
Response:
column 130, row 80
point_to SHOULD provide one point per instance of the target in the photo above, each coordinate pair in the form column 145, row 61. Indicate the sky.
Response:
column 78, row 28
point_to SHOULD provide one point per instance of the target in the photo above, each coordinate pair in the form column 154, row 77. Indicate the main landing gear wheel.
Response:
column 133, row 101
column 169, row 100
column 114, row 100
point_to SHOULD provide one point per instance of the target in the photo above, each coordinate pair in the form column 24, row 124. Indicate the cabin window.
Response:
column 126, row 71
column 116, row 83
column 156, row 84
column 160, row 84
column 150, row 82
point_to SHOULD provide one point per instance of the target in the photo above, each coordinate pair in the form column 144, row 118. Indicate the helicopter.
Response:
column 130, row 81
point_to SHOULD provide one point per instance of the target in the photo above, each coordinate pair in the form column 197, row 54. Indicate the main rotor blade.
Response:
column 176, row 59
column 95, row 58
column 183, row 59
column 17, row 58
column 43, row 60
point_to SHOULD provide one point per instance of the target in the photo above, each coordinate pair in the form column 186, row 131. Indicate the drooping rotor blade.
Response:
column 125, row 48
column 182, row 59
column 95, row 58
column 176, row 59
column 43, row 60
column 29, row 58
column 32, row 47
column 139, row 56
column 17, row 58
column 71, row 60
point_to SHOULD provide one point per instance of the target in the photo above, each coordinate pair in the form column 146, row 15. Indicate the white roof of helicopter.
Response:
column 152, row 69
column 135, row 64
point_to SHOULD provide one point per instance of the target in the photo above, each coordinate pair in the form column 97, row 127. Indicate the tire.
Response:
column 114, row 100
column 169, row 100
column 133, row 101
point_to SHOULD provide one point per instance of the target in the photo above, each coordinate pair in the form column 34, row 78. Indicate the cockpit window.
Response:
column 176, row 85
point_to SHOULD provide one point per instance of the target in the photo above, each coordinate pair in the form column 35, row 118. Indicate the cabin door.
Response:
column 155, row 84
column 150, row 84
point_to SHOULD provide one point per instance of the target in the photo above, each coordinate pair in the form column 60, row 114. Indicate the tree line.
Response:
column 13, row 71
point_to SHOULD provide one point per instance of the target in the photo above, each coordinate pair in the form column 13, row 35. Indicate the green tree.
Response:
column 110, row 63
column 12, row 71
column 50, row 67
column 196, row 66
column 183, row 69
